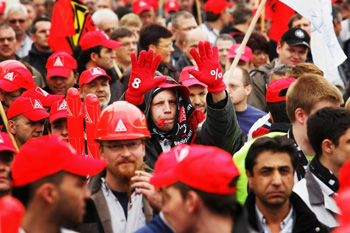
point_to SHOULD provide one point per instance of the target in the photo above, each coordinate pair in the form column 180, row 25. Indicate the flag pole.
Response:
column 199, row 12
column 4, row 119
column 228, row 74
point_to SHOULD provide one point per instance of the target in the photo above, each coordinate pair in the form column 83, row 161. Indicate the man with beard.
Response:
column 95, row 81
column 7, row 152
column 272, row 206
column 117, row 204
column 26, row 119
column 49, row 178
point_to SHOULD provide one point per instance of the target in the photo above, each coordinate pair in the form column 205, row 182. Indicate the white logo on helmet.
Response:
column 37, row 105
column 96, row 71
column 183, row 154
column 120, row 126
column 300, row 34
column 58, row 62
column 41, row 91
column 172, row 4
column 1, row 139
column 142, row 4
column 10, row 76
column 63, row 106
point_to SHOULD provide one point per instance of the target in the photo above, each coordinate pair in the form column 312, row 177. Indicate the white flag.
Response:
column 325, row 49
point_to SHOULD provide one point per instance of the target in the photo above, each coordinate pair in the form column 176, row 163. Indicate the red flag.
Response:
column 70, row 21
column 280, row 15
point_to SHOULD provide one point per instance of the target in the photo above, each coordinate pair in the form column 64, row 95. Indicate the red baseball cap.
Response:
column 2, row 6
column 47, row 155
column 277, row 90
column 216, row 6
column 171, row 5
column 90, row 74
column 58, row 110
column 188, row 79
column 183, row 91
column 140, row 6
column 6, row 143
column 246, row 56
column 96, row 38
column 60, row 64
column 30, row 108
column 38, row 93
column 209, row 169
column 16, row 77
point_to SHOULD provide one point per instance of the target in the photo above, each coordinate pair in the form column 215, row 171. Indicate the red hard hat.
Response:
column 122, row 121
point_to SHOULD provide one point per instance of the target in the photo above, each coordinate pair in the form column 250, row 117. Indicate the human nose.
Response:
column 113, row 54
column 276, row 178
column 196, row 100
column 167, row 107
column 125, row 151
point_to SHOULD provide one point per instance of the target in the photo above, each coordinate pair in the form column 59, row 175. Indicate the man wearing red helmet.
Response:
column 117, row 203
column 7, row 152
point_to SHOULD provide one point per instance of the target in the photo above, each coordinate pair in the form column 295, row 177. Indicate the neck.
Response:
column 115, row 183
column 124, row 65
column 240, row 107
column 7, row 58
column 20, row 38
column 274, row 215
column 179, row 45
column 302, row 140
column 211, row 223
column 37, row 222
column 242, row 27
column 90, row 64
column 43, row 49
column 328, row 164
column 218, row 25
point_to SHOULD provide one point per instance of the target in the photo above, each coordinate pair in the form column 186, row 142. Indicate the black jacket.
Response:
column 305, row 222
column 37, row 59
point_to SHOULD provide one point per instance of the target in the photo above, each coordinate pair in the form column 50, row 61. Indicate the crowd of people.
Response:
column 177, row 142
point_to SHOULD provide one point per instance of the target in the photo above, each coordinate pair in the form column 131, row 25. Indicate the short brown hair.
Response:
column 303, row 68
column 307, row 91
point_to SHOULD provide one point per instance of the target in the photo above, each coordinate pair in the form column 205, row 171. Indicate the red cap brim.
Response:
column 57, row 115
column 61, row 72
column 83, row 166
column 183, row 91
column 193, row 81
column 36, row 114
column 8, row 86
column 111, row 44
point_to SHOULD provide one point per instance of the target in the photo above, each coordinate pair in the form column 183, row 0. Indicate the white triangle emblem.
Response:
column 1, row 139
column 37, row 105
column 96, row 71
column 142, row 4
column 120, row 126
column 63, row 106
column 183, row 154
column 58, row 62
column 87, row 117
column 41, row 91
column 9, row 76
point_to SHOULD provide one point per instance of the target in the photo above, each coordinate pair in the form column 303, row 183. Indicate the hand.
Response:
column 210, row 71
column 142, row 76
column 141, row 182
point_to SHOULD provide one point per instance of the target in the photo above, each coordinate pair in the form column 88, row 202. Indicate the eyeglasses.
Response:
column 13, row 21
column 9, row 39
column 235, row 87
column 117, row 146
column 170, row 46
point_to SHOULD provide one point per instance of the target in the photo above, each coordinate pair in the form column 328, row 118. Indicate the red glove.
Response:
column 142, row 76
column 210, row 71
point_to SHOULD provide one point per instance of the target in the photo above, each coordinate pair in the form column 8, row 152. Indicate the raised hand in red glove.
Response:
column 210, row 71
column 142, row 76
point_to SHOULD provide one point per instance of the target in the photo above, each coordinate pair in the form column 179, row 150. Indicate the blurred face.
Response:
column 7, row 98
column 192, row 42
column 18, row 21
column 6, row 158
column 73, row 193
column 129, row 45
column 342, row 150
column 39, row 6
column 199, row 97
column 302, row 23
column 164, row 48
column 236, row 89
column 259, row 58
column 108, row 26
column 99, row 87
column 59, row 85
column 105, row 59
column 7, row 44
column 186, row 5
column 60, row 127
column 226, row 16
column 163, row 110
column 291, row 55
column 223, row 48
column 24, row 129
column 184, row 26
column 91, row 5
column 102, row 4
column 272, row 179
column 41, row 36
column 136, row 30
column 31, row 12
column 174, row 210
column 123, row 157
column 147, row 17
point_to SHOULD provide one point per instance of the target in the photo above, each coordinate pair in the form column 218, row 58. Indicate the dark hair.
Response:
column 25, row 193
column 293, row 18
column 121, row 33
column 224, row 205
column 258, row 42
column 275, row 144
column 211, row 17
column 241, row 14
column 337, row 14
column 151, row 35
column 327, row 123
column 278, row 112
column 85, row 54
column 37, row 20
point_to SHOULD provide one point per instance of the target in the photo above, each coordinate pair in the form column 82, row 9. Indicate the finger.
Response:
column 159, row 80
column 156, row 62
column 149, row 58
column 201, row 50
column 143, row 173
column 142, row 57
column 215, row 53
column 133, row 60
column 195, row 73
column 208, row 51
column 195, row 55
column 140, row 179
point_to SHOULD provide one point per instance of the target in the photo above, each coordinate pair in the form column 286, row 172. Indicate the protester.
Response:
column 260, row 47
column 224, row 42
column 106, row 20
column 7, row 152
column 133, row 22
column 49, row 178
column 245, row 61
column 145, row 10
column 58, row 119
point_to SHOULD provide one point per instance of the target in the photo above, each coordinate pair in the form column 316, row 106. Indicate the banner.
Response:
column 70, row 21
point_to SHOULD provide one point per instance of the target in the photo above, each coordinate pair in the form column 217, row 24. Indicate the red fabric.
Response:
column 259, row 132
column 280, row 15
column 63, row 34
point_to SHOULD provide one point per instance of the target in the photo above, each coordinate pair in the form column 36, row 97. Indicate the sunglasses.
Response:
column 13, row 21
